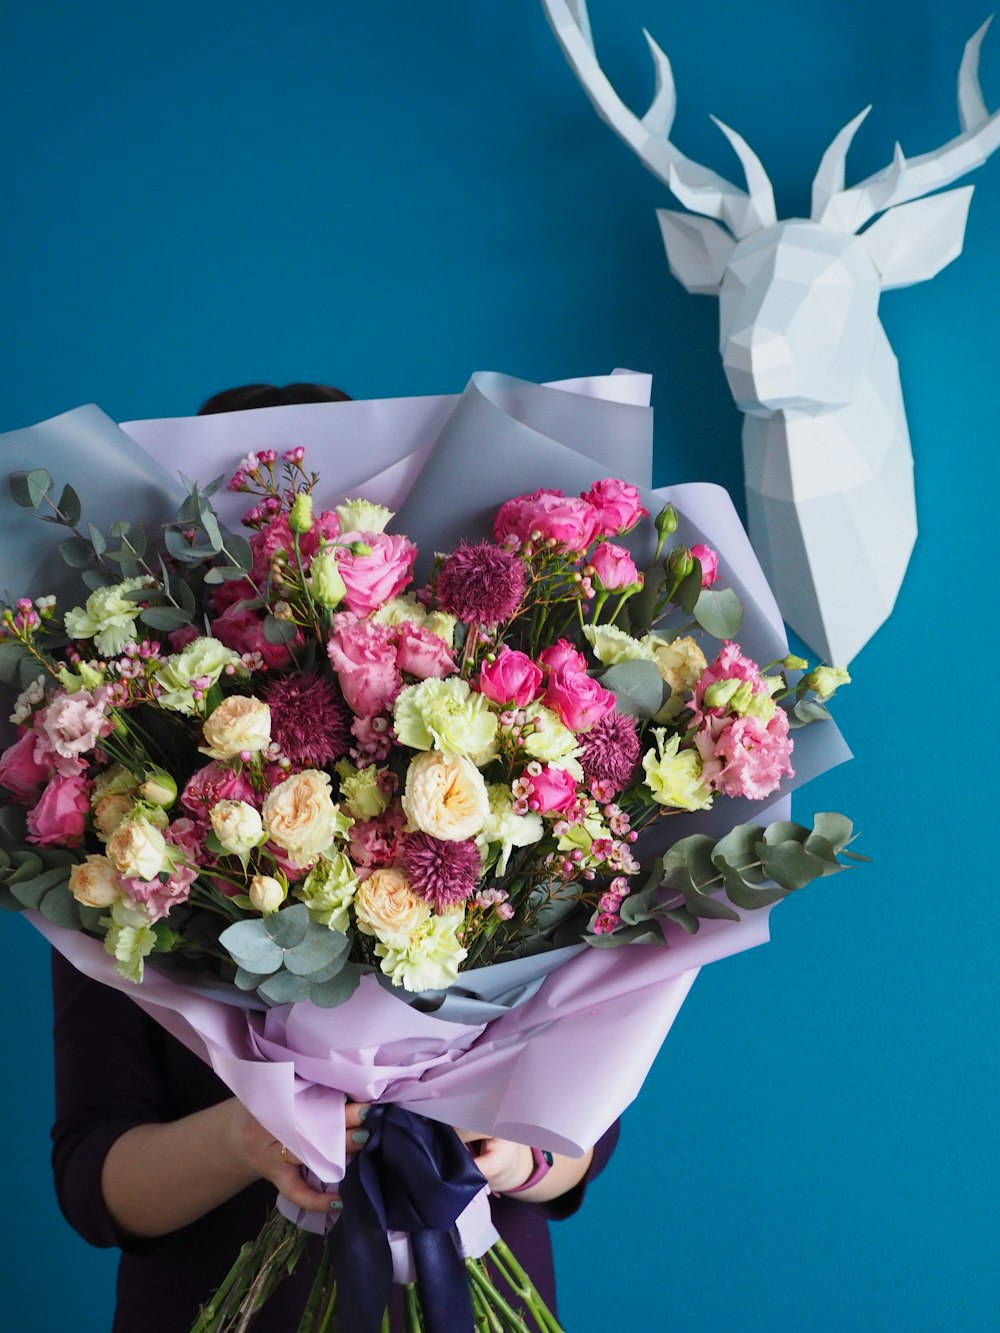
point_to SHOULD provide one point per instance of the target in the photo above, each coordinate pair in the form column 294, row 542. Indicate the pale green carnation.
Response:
column 546, row 737
column 360, row 793
column 204, row 658
column 363, row 516
column 108, row 617
column 130, row 938
column 505, row 829
column 446, row 715
column 674, row 776
column 328, row 891
column 431, row 957
column 443, row 625
column 407, row 610
column 612, row 645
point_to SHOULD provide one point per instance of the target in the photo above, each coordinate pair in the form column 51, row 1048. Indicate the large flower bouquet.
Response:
column 283, row 763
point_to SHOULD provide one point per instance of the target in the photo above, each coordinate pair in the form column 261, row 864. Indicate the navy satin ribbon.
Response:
column 412, row 1175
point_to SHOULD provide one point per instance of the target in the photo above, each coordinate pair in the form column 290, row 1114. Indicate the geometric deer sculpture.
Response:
column 826, row 450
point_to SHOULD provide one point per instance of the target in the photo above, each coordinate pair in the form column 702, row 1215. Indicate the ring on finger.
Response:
column 284, row 1156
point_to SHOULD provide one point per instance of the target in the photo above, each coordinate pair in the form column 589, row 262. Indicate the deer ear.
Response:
column 698, row 250
column 912, row 242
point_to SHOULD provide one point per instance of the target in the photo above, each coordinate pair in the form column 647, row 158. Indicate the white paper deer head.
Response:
column 827, row 461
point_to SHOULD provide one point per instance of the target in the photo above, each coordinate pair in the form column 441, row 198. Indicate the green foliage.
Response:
column 287, row 957
column 719, row 613
column 637, row 686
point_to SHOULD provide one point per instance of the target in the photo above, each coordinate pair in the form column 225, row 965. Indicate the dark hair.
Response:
column 270, row 395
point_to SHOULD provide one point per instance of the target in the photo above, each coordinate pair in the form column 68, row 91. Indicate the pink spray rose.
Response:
column 214, row 783
column 364, row 657
column 243, row 632
column 20, row 771
column 422, row 654
column 709, row 561
column 614, row 567
column 617, row 506
column 513, row 679
column 560, row 656
column 372, row 580
column 571, row 523
column 578, row 699
column 553, row 791
column 277, row 536
column 59, row 817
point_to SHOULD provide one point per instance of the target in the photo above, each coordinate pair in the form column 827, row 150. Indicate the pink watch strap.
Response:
column 543, row 1165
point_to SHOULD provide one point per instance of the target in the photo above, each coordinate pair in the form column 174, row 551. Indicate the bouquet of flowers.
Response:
column 280, row 765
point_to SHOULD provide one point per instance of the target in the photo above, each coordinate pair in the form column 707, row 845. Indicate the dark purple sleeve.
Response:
column 568, row 1203
column 107, row 1080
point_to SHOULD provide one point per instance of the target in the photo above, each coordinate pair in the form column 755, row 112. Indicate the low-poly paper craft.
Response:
column 826, row 450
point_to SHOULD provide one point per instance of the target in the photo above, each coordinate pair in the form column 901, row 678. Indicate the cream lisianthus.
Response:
column 328, row 891
column 430, row 958
column 680, row 661
column 203, row 660
column 446, row 715
column 674, row 776
column 385, row 906
column 94, row 883
column 241, row 724
column 300, row 816
column 130, row 938
column 138, row 849
column 613, row 645
column 360, row 793
column 237, row 825
column 363, row 516
column 445, row 795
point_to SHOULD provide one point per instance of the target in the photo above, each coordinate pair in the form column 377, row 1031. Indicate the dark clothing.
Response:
column 117, row 1068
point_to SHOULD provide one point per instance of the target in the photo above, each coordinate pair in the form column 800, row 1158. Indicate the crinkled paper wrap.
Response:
column 556, row 1069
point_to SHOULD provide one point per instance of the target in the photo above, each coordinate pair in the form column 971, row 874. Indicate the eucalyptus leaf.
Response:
column 645, row 932
column 680, row 916
column 10, row 662
column 689, row 590
column 249, row 980
column 211, row 525
column 328, row 994
column 97, row 539
column 837, row 829
column 289, row 927
column 61, row 908
column 317, row 951
column 251, row 947
column 165, row 617
column 96, row 578
column 90, row 919
column 69, row 507
column 783, row 830
column 76, row 552
column 30, row 892
column 807, row 711
column 239, row 551
column 637, row 687
column 284, row 988
column 711, row 908
column 790, row 865
column 278, row 631
column 719, row 613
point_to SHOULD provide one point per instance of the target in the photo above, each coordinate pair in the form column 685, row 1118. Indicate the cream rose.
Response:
column 300, row 816
column 237, row 825
column 93, row 882
column 138, row 849
column 266, row 894
column 446, row 796
column 110, row 812
column 386, row 906
column 240, row 723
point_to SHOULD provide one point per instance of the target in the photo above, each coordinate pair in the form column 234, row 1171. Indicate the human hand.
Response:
column 505, row 1165
column 272, row 1161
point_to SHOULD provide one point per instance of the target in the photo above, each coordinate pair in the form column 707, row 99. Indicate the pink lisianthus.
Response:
column 570, row 523
column 372, row 580
column 422, row 654
column 363, row 655
column 561, row 655
column 709, row 561
column 614, row 567
column 158, row 896
column 578, row 699
column 185, row 834
column 214, row 783
column 243, row 632
column 70, row 726
column 20, row 772
column 616, row 504
column 375, row 843
column 59, row 818
column 553, row 791
column 743, row 757
column 512, row 679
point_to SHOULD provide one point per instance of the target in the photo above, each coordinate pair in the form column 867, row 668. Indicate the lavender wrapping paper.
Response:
column 556, row 1070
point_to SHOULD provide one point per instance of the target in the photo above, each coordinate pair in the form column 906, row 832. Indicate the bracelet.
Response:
column 542, row 1159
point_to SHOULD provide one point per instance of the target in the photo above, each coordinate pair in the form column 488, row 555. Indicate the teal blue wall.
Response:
column 391, row 196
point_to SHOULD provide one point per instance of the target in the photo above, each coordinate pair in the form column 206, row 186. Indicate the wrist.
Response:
column 541, row 1165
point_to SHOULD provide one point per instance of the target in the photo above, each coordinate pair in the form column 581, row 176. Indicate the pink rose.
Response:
column 578, row 699
column 372, row 580
column 364, row 658
column 20, row 771
column 213, row 783
column 422, row 654
column 617, row 505
column 59, row 817
column 614, row 566
column 513, row 679
column 553, row 791
column 243, row 631
column 571, row 523
column 743, row 757
column 562, row 656
column 180, row 638
column 277, row 536
column 709, row 561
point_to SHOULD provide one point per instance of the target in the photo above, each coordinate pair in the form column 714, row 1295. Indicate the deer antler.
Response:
column 696, row 186
column 911, row 178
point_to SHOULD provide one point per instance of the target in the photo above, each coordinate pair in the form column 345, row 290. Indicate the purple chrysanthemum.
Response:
column 481, row 584
column 308, row 720
column 611, row 750
column 445, row 873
